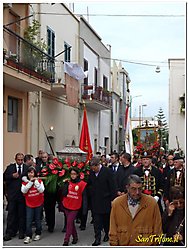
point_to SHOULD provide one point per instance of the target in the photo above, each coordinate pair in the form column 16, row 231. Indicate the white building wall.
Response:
column 66, row 28
column 176, row 89
column 105, row 131
column 104, row 70
column 92, row 59
column 64, row 120
column 92, row 49
column 53, row 109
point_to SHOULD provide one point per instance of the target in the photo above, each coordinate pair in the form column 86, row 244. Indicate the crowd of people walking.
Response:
column 137, row 201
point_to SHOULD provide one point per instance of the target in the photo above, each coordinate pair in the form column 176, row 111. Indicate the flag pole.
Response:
column 85, row 143
column 48, row 141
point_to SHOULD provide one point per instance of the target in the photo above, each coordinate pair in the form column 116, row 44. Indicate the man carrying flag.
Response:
column 85, row 143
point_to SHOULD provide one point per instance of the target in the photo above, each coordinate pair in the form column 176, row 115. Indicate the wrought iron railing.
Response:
column 96, row 93
column 26, row 57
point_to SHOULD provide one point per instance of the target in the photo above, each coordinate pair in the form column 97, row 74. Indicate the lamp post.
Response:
column 143, row 112
column 131, row 98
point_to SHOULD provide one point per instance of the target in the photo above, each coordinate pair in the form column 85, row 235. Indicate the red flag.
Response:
column 126, row 117
column 85, row 144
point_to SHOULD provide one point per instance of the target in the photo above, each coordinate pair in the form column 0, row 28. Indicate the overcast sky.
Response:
column 143, row 39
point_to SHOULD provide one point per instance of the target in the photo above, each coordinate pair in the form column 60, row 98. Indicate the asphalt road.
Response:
column 55, row 239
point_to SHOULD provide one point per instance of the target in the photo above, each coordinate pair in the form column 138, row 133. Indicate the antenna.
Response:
column 88, row 14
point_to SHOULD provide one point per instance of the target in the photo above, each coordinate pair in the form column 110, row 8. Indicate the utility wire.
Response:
column 110, row 15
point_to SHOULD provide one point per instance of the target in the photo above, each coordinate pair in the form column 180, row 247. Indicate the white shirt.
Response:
column 96, row 173
column 17, row 167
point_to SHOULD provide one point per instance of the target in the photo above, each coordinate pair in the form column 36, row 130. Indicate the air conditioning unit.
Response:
column 7, row 5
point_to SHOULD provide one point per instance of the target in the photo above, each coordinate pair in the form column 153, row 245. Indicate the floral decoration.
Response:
column 56, row 172
column 153, row 149
column 139, row 148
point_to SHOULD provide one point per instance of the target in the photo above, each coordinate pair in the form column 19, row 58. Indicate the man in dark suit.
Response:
column 125, row 170
column 16, row 201
column 152, row 178
column 101, row 189
column 175, row 177
column 38, row 159
column 114, row 165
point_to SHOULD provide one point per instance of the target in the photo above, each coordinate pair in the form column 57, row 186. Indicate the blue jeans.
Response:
column 36, row 214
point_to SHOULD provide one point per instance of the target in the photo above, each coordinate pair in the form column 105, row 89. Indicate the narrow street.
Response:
column 55, row 239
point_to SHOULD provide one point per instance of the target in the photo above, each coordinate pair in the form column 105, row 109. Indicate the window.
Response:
column 116, row 136
column 14, row 115
column 85, row 69
column 105, row 82
column 51, row 42
column 116, row 105
column 95, row 77
column 67, row 49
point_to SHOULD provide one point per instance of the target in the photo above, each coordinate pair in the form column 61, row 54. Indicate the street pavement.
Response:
column 55, row 239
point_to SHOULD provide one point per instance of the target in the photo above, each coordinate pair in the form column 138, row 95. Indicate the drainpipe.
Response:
column 29, row 120
column 39, row 119
column 99, row 126
column 39, row 93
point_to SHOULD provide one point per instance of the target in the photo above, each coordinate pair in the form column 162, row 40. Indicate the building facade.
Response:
column 95, row 94
column 120, row 98
column 177, row 103
column 41, row 99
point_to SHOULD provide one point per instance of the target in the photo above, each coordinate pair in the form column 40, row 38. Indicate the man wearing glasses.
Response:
column 135, row 218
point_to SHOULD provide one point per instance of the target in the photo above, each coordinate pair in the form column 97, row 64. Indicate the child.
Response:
column 33, row 189
column 73, row 195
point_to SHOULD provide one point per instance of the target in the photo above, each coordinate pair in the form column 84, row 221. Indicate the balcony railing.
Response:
column 26, row 57
column 96, row 93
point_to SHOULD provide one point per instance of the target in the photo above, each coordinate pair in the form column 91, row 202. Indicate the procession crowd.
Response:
column 137, row 201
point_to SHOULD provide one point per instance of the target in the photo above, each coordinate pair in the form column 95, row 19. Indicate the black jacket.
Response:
column 13, row 185
column 171, row 225
column 157, row 186
column 101, row 190
column 122, row 175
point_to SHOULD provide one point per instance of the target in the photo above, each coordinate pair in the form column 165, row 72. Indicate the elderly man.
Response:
column 175, row 177
column 135, row 218
column 152, row 178
column 101, row 188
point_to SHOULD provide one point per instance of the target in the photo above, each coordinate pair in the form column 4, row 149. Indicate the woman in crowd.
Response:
column 173, row 219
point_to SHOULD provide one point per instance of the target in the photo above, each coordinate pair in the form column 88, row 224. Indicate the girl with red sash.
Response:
column 32, row 189
column 73, row 195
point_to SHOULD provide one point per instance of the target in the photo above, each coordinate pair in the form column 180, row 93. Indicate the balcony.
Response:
column 26, row 67
column 96, row 98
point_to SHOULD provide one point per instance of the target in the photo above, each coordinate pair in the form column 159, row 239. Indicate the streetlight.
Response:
column 131, row 98
column 143, row 112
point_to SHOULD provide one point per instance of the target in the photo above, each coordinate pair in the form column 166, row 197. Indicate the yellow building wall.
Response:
column 14, row 142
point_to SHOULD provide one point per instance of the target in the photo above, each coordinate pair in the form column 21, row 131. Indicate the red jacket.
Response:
column 33, row 197
column 73, row 200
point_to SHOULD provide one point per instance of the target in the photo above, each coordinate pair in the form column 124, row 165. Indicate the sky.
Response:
column 137, row 35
